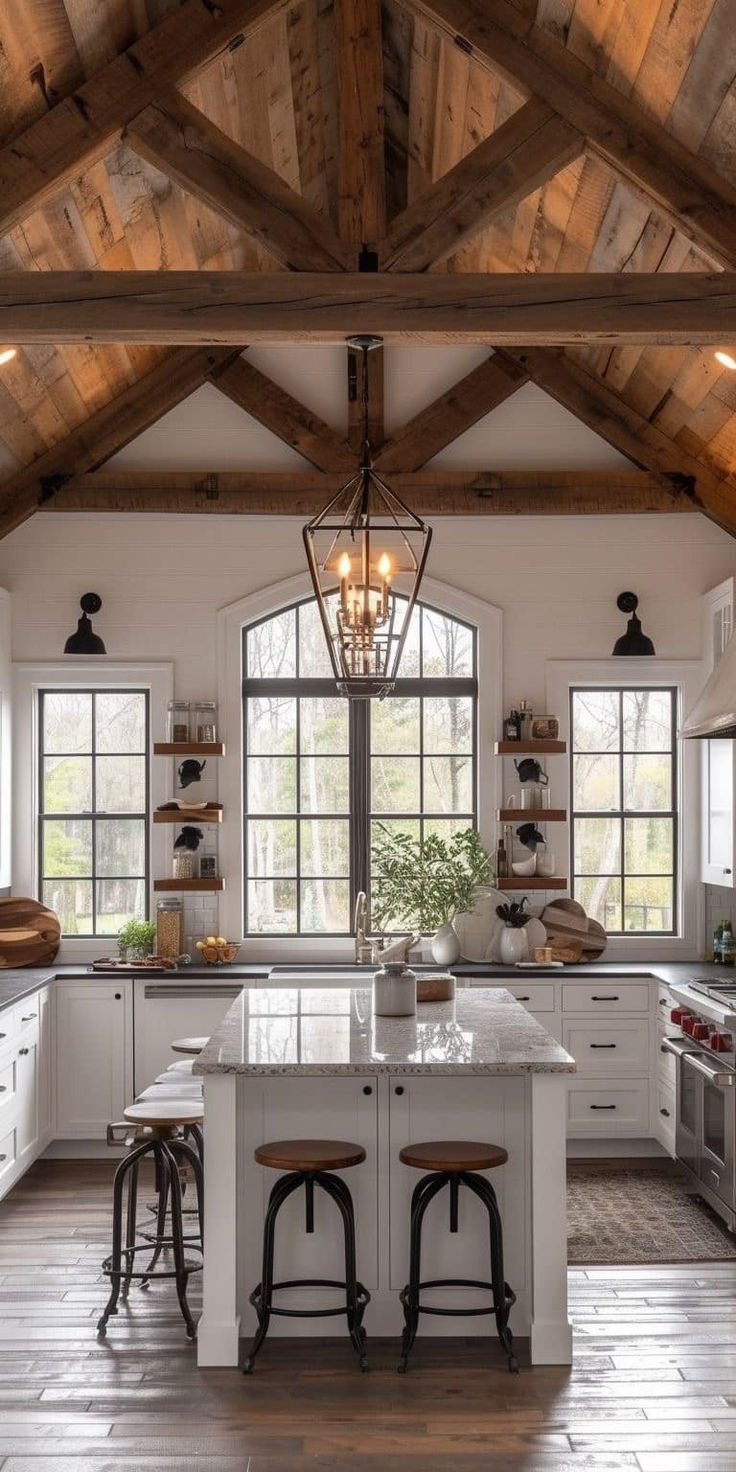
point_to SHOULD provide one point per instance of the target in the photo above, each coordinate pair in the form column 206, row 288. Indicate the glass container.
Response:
column 185, row 865
column 168, row 928
column 205, row 721
column 178, row 720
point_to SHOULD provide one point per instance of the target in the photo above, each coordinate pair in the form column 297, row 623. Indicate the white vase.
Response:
column 445, row 945
column 513, row 946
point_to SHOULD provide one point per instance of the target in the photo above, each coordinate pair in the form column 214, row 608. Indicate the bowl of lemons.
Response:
column 217, row 951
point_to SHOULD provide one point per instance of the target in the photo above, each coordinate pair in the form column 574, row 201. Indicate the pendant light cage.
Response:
column 366, row 553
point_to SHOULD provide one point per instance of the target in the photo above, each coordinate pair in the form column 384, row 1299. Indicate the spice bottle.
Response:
column 502, row 860
column 728, row 945
column 512, row 726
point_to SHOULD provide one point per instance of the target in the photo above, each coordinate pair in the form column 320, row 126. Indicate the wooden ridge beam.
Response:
column 456, row 410
column 527, row 150
column 179, row 140
column 361, row 173
column 272, row 406
column 608, row 415
column 429, row 493
column 83, row 127
column 232, row 307
column 503, row 38
column 105, row 432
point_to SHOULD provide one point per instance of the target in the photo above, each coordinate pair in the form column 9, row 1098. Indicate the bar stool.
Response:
column 182, row 1069
column 310, row 1163
column 158, row 1133
column 188, row 1045
column 454, row 1163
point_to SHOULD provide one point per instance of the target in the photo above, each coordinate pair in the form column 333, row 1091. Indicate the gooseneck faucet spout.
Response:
column 362, row 947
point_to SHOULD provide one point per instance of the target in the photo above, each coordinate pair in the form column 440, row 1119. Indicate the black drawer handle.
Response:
column 604, row 1045
column 603, row 1106
column 665, row 1112
column 605, row 999
column 399, row 1089
column 3, row 1157
column 22, row 1052
column 523, row 999
column 118, row 996
column 3, row 1088
column 29, row 1018
column 3, row 1034
column 663, row 1002
column 367, row 1089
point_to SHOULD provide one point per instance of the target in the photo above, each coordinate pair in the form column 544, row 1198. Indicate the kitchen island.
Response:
column 306, row 1062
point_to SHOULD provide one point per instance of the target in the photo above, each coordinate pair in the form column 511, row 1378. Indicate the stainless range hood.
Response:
column 714, row 712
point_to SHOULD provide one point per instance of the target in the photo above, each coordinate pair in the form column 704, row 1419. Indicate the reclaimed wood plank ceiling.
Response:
column 277, row 95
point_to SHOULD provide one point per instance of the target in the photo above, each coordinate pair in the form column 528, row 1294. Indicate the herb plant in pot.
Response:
column 513, row 945
column 423, row 883
column 136, row 940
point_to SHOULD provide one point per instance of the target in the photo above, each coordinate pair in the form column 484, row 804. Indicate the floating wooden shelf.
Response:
column 188, row 815
column 188, row 748
column 532, row 815
column 530, row 748
column 192, row 886
column 535, row 882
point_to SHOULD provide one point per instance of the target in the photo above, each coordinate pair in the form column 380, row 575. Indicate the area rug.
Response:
column 626, row 1215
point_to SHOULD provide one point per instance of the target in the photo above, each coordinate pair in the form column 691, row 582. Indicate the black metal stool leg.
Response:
column 502, row 1295
column 336, row 1188
column 116, row 1267
column 130, row 1228
column 177, row 1239
column 162, row 1186
column 189, row 1155
column 261, row 1296
column 425, row 1190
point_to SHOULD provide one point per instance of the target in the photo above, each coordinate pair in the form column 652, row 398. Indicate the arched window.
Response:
column 321, row 772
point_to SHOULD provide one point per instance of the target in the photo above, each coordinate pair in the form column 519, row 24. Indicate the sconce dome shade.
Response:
column 85, row 640
column 634, row 642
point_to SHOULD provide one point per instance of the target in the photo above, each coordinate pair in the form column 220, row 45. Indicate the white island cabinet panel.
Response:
column 94, row 1055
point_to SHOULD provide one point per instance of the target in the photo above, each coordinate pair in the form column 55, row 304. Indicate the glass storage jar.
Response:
column 205, row 721
column 168, row 929
column 185, row 865
column 178, row 721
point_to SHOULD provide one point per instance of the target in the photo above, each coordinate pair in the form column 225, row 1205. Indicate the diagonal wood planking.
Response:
column 179, row 140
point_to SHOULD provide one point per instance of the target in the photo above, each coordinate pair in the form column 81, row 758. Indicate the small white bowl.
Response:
column 525, row 867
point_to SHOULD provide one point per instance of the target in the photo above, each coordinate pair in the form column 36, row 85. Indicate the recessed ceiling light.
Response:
column 727, row 360
column 8, row 353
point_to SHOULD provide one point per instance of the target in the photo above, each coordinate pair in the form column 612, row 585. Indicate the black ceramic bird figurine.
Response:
column 189, row 838
column 190, row 771
column 530, row 836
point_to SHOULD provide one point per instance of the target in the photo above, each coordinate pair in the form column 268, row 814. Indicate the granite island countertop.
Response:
column 275, row 1031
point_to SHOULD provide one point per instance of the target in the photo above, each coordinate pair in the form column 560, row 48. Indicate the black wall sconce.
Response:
column 634, row 641
column 85, row 640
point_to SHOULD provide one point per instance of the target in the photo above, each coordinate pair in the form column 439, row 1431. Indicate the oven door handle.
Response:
column 714, row 1076
column 680, row 1050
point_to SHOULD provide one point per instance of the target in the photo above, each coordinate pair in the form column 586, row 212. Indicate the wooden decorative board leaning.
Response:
column 29, row 933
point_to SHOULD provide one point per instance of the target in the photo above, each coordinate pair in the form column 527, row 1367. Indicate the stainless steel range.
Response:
column 704, row 1011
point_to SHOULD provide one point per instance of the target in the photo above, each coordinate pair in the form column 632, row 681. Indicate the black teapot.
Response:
column 529, row 770
column 190, row 771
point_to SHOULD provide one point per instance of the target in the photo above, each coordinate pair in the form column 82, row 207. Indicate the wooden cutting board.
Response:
column 29, row 933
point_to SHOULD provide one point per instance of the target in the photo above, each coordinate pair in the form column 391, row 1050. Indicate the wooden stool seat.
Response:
column 166, row 1114
column 188, row 1045
column 184, row 1065
column 453, row 1155
column 179, row 1090
column 309, row 1154
column 183, row 1081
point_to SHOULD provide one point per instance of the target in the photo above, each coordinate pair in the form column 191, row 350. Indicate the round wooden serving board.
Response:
column 29, row 933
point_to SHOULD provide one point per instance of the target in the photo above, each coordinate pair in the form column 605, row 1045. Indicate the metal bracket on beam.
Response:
column 209, row 487
column 51, row 485
column 684, row 485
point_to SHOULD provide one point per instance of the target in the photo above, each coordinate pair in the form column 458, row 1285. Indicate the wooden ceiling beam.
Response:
column 438, row 493
column 503, row 38
column 458, row 409
column 272, row 406
column 231, row 307
column 178, row 139
column 84, row 126
column 106, row 431
column 622, row 426
column 527, row 150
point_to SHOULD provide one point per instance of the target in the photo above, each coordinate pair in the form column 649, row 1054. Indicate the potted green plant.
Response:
column 423, row 883
column 513, row 946
column 136, row 940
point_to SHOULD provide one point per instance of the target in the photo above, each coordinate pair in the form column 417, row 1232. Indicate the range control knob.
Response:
column 699, row 1031
column 678, row 1015
column 721, row 1042
column 688, row 1023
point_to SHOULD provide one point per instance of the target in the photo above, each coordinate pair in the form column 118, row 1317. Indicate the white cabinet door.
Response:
column 27, row 1118
column 45, row 1065
column 176, row 1009
column 94, row 1055
column 718, row 759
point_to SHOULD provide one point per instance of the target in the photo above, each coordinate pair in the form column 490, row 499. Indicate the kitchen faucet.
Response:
column 363, row 949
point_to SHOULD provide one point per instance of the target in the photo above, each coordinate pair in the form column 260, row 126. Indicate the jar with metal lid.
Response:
column 178, row 720
column 168, row 928
column 204, row 724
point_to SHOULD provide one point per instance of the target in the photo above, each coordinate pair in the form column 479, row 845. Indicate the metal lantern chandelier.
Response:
column 363, row 549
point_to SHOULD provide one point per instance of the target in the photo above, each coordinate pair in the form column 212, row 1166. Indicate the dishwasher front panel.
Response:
column 174, row 1009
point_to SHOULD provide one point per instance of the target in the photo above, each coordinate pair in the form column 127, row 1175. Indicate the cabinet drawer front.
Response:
column 608, row 1047
column 619, row 1108
column 666, row 1111
column 605, row 996
column 7, row 1155
column 537, row 996
column 666, row 1064
column 8, row 1027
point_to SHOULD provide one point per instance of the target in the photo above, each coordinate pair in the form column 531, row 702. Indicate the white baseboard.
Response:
column 612, row 1149
column 82, row 1150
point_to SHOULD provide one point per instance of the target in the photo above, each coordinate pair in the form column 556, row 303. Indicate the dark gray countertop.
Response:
column 14, row 985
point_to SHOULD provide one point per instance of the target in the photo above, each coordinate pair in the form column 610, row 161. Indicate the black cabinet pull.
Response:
column 665, row 1112
column 3, row 1088
column 29, row 1017
column 399, row 1089
column 367, row 1089
column 118, row 996
column 23, row 1052
column 605, row 999
column 604, row 1045
column 603, row 1106
column 3, row 1157
column 523, row 999
column 663, row 1002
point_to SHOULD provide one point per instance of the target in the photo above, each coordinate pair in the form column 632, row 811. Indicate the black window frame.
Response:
column 360, row 815
column 622, row 813
column 94, row 816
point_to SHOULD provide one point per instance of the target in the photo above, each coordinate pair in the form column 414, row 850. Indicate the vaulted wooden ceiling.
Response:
column 360, row 121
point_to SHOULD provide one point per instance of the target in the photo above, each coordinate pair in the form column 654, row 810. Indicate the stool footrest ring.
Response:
column 362, row 1299
column 492, row 1308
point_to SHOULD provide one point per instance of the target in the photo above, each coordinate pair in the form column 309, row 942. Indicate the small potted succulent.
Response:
column 513, row 945
column 136, row 940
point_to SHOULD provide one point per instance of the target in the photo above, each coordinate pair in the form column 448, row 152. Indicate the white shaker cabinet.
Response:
column 94, row 1054
column 26, row 1065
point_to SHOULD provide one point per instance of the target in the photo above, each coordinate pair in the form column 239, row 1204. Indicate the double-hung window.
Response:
column 624, row 807
column 321, row 773
column 93, row 786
